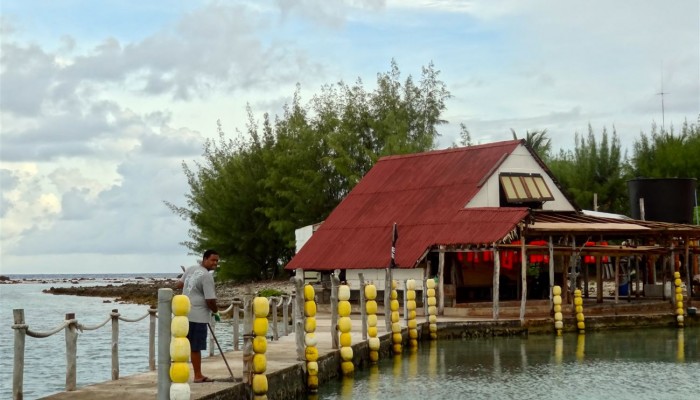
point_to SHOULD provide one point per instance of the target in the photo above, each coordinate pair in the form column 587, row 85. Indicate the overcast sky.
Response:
column 101, row 101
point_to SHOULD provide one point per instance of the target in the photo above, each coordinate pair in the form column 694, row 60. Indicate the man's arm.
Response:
column 211, row 303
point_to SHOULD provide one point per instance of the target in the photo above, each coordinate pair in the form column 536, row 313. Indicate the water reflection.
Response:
column 641, row 364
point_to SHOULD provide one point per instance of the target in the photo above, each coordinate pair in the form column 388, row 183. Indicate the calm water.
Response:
column 651, row 364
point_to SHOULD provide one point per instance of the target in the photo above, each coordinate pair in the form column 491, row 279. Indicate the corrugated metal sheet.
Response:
column 425, row 195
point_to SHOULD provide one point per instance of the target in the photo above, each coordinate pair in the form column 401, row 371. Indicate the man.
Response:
column 197, row 283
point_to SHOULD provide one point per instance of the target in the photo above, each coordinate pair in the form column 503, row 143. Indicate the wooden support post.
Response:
column 335, row 282
column 18, row 367
column 387, row 299
column 637, row 275
column 274, row 302
column 299, row 314
column 496, row 281
column 165, row 311
column 71, row 352
column 236, row 326
column 285, row 315
column 115, row 344
column 404, row 300
column 363, row 309
column 617, row 278
column 441, row 281
column 152, row 318
column 248, row 336
column 598, row 279
column 584, row 267
column 523, row 277
column 551, row 270
column 688, row 277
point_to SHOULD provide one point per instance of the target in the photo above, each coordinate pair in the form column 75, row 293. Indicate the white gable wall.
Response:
column 521, row 161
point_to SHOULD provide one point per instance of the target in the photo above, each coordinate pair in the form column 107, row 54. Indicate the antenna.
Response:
column 662, row 93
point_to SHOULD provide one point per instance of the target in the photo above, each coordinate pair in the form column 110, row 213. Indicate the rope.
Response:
column 93, row 327
column 135, row 319
column 45, row 334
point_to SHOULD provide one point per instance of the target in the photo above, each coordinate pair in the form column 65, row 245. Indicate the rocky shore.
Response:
column 145, row 291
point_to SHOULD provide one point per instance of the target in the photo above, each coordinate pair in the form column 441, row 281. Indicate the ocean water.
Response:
column 45, row 358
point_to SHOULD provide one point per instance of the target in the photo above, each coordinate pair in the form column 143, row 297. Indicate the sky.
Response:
column 101, row 102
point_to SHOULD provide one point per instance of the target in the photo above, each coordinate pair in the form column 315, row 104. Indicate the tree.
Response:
column 594, row 168
column 538, row 141
column 667, row 155
column 250, row 194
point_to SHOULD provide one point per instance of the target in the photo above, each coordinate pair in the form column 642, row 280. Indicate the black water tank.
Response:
column 665, row 199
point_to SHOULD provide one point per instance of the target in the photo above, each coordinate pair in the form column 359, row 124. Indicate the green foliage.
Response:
column 538, row 141
column 594, row 167
column 667, row 155
column 248, row 195
column 270, row 292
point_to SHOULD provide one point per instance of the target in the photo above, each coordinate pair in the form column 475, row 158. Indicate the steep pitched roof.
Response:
column 425, row 195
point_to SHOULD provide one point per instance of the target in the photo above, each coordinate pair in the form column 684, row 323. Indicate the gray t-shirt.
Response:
column 198, row 286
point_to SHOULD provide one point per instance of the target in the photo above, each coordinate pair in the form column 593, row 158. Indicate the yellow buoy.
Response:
column 432, row 319
column 309, row 293
column 179, row 372
column 577, row 301
column 346, row 353
column 312, row 382
column 310, row 308
column 347, row 367
column 310, row 324
column 181, row 305
column 396, row 327
column 413, row 334
column 372, row 331
column 394, row 305
column 556, row 290
column 396, row 348
column 432, row 301
column 310, row 339
column 558, row 324
column 412, row 323
column 259, row 384
column 373, row 356
column 411, row 284
column 677, row 275
column 558, row 316
column 581, row 325
column 344, row 324
column 311, row 354
column 431, row 293
column 345, row 339
column 180, row 349
column 556, row 300
column 259, row 344
column 371, row 307
column 679, row 290
column 344, row 308
column 410, row 305
column 432, row 310
column 179, row 326
column 371, row 320
column 396, row 338
column 395, row 317
column 260, row 326
column 344, row 292
column 374, row 343
column 433, row 328
column 261, row 307
column 557, row 308
column 430, row 283
column 412, row 314
column 579, row 309
column 370, row 292
column 259, row 363
column 180, row 391
column 411, row 295
column 312, row 368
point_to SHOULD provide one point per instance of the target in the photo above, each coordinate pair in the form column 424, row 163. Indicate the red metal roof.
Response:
column 425, row 195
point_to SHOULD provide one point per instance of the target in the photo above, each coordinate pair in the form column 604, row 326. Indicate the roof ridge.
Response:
column 450, row 150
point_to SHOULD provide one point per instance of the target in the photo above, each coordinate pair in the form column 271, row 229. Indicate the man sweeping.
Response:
column 197, row 283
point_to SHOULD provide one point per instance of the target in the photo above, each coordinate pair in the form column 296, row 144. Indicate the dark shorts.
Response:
column 197, row 336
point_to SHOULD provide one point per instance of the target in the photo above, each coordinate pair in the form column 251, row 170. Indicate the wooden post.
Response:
column 424, row 297
column 71, row 352
column 236, row 326
column 598, row 279
column 441, row 281
column 152, row 318
column 403, row 297
column 335, row 281
column 387, row 299
column 115, row 344
column 551, row 270
column 617, row 278
column 637, row 275
column 248, row 335
column 688, row 277
column 274, row 302
column 285, row 315
column 496, row 281
column 165, row 311
column 363, row 309
column 584, row 266
column 299, row 314
column 18, row 366
column 523, row 278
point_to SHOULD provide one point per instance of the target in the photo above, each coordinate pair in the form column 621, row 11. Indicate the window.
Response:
column 523, row 188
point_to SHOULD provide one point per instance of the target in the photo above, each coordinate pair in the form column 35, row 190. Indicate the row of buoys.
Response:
column 371, row 309
column 411, row 311
column 432, row 308
column 310, row 341
column 558, row 316
column 679, row 298
column 261, row 309
column 180, row 348
column 345, row 327
column 580, row 318
column 396, row 336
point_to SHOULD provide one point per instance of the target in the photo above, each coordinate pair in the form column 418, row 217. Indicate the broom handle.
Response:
column 220, row 351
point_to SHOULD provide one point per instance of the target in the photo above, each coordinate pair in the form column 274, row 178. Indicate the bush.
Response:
column 270, row 293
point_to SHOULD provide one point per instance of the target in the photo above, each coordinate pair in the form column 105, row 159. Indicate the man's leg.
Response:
column 196, row 357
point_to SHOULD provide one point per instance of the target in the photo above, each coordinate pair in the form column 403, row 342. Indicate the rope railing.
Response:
column 71, row 326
